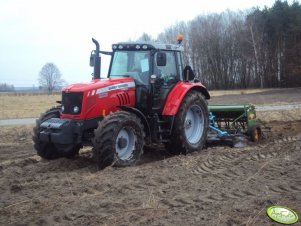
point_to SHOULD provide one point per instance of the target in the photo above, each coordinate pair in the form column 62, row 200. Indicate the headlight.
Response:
column 75, row 109
column 63, row 108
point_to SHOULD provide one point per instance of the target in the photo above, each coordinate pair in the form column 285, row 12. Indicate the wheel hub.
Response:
column 122, row 142
column 188, row 123
column 194, row 124
column 125, row 143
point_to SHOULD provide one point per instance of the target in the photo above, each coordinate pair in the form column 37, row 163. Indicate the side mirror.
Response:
column 188, row 74
column 92, row 59
column 161, row 59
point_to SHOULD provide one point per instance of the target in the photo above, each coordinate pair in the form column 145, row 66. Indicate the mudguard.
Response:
column 176, row 95
column 143, row 120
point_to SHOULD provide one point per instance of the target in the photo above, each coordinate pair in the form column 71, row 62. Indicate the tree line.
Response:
column 254, row 49
column 4, row 87
column 230, row 50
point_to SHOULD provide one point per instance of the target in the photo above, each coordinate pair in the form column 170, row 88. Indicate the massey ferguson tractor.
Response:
column 148, row 98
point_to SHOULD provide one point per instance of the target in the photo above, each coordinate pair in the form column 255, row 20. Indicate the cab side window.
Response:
column 169, row 71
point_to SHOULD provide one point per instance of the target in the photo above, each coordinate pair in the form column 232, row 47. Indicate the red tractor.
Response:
column 147, row 98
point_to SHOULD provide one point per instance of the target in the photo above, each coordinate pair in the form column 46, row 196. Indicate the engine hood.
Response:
column 98, row 84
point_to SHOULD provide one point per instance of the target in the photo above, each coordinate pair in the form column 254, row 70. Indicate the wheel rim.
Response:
column 194, row 124
column 125, row 143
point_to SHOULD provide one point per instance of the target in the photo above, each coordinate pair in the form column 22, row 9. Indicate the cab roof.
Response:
column 146, row 46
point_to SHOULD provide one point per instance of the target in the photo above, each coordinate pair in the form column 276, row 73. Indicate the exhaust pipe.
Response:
column 97, row 60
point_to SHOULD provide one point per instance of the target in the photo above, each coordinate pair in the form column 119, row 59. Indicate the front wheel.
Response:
column 118, row 140
column 191, row 125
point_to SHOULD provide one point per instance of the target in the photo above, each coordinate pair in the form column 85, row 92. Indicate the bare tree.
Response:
column 50, row 77
column 255, row 23
column 170, row 34
column 144, row 38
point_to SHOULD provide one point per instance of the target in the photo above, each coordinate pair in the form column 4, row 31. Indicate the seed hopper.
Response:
column 233, row 124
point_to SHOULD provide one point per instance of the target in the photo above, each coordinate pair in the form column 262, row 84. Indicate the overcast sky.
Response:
column 34, row 32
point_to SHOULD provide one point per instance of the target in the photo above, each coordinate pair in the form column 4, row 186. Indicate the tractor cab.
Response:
column 156, row 69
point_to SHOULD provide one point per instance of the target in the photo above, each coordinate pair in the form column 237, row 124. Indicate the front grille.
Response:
column 70, row 100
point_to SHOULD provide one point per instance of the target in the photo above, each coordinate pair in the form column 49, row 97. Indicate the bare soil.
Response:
column 219, row 185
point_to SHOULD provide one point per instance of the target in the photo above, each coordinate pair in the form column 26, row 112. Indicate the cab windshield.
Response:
column 135, row 64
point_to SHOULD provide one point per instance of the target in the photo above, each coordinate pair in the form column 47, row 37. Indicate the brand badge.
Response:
column 282, row 214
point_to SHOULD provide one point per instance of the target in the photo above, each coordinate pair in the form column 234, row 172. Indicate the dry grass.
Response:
column 25, row 105
column 215, row 93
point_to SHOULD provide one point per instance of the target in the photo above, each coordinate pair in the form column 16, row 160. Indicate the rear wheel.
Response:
column 191, row 124
column 50, row 150
column 118, row 140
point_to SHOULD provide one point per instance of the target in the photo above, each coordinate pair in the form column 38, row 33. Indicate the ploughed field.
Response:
column 218, row 185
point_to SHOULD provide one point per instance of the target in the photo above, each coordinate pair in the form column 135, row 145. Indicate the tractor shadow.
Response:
column 154, row 154
column 85, row 161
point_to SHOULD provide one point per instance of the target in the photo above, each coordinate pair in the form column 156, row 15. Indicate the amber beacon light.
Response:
column 180, row 38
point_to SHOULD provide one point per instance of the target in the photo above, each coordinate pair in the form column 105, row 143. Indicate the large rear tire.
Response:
column 191, row 125
column 49, row 150
column 118, row 140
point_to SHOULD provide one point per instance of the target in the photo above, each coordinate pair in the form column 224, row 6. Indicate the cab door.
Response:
column 166, row 78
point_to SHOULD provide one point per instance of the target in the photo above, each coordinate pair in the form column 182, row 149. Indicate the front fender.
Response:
column 176, row 95
column 143, row 120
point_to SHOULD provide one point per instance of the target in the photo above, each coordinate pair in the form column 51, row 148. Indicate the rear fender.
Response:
column 176, row 95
